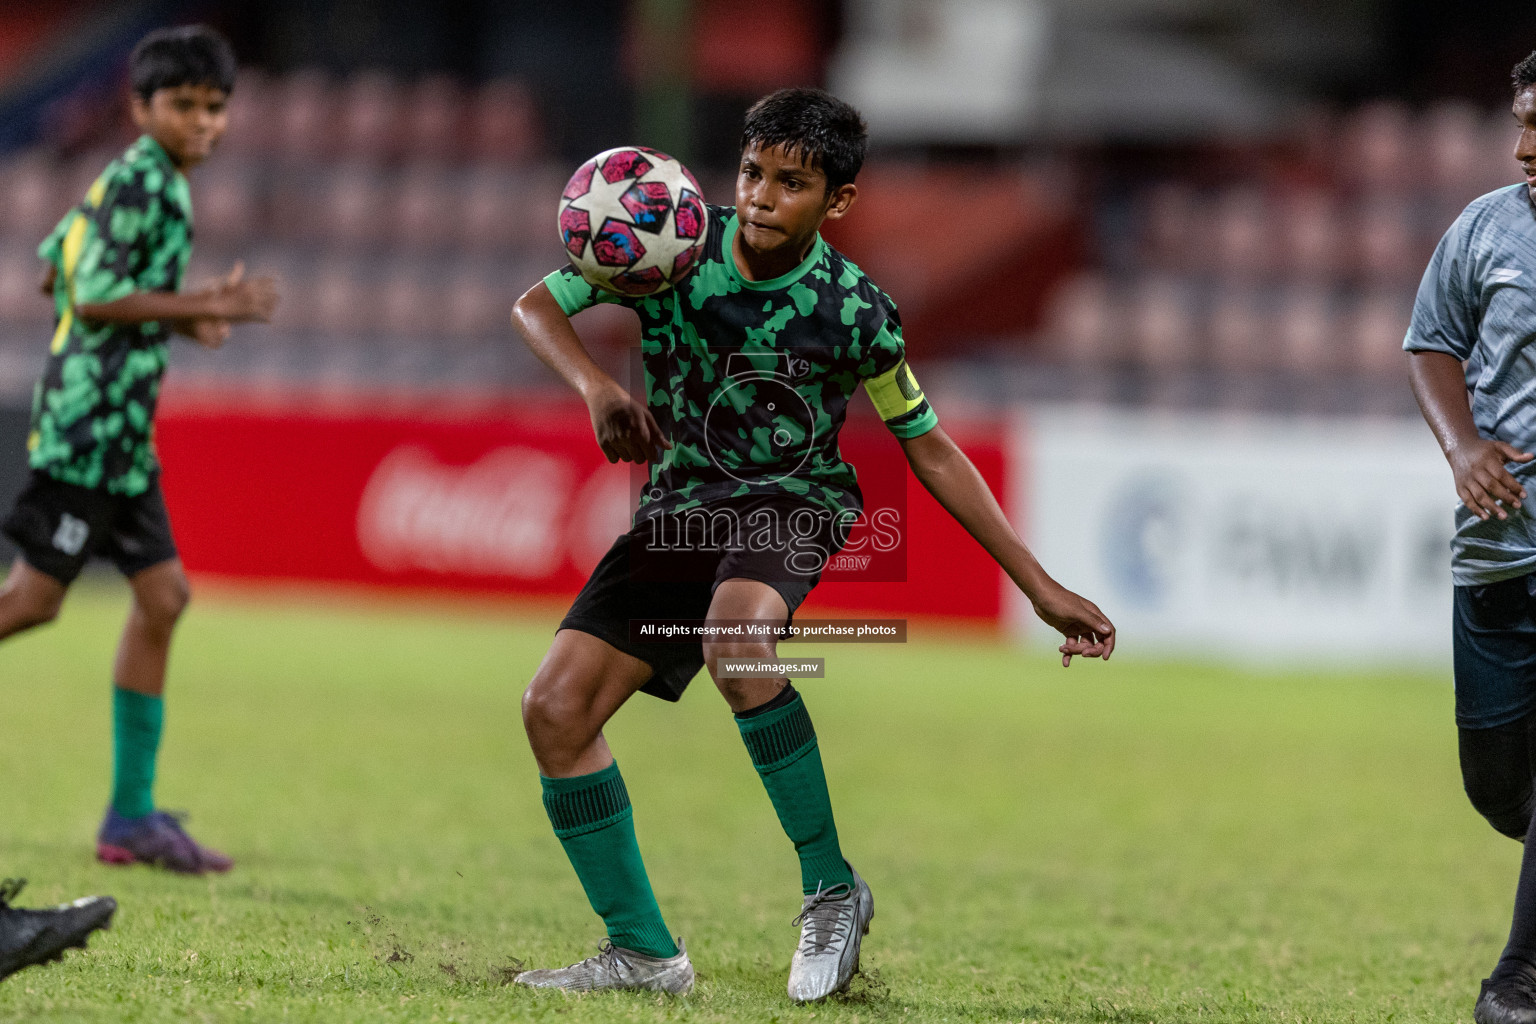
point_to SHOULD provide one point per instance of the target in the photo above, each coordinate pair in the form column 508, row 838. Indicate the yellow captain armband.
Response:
column 899, row 400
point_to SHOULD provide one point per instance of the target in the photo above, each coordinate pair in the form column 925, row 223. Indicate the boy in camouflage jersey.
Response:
column 115, row 267
column 749, row 366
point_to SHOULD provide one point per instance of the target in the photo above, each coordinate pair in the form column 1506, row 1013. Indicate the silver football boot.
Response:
column 618, row 968
column 833, row 922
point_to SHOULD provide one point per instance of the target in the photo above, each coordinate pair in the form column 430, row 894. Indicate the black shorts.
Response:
column 668, row 568
column 1493, row 640
column 59, row 527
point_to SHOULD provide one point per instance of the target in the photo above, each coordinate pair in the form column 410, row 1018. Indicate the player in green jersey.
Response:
column 749, row 366
column 115, row 268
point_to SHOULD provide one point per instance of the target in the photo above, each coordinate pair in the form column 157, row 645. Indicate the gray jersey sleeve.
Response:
column 1445, row 314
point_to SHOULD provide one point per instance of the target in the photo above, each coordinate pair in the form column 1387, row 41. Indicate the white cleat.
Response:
column 833, row 922
column 618, row 968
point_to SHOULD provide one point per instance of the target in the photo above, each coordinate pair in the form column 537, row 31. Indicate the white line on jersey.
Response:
column 1503, row 275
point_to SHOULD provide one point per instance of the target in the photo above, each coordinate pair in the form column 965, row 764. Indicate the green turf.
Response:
column 1131, row 842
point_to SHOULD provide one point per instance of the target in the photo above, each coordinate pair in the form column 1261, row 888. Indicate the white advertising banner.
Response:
column 1270, row 538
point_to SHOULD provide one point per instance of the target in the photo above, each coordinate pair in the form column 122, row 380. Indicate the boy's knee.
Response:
column 40, row 610
column 715, row 650
column 1505, row 801
column 30, row 598
column 549, row 706
column 1496, row 774
column 164, row 603
column 734, row 650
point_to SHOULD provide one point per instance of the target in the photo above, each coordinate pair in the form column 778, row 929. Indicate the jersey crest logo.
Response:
column 757, row 393
column 1503, row 275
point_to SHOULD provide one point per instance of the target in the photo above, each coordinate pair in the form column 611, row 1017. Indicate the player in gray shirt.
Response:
column 1472, row 359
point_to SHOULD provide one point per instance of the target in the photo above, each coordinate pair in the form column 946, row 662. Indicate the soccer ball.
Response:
column 632, row 220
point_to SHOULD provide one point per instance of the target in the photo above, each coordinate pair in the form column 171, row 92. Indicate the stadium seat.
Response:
column 1084, row 322
column 31, row 197
column 434, row 118
column 1163, row 327
column 224, row 196
column 503, row 124
column 1388, row 247
column 252, row 128
column 303, row 117
column 1375, row 152
column 1238, row 332
column 1244, row 243
column 21, row 302
column 1310, row 234
column 1171, row 223
column 1378, row 323
column 352, row 206
column 426, row 206
column 1307, row 332
column 370, row 118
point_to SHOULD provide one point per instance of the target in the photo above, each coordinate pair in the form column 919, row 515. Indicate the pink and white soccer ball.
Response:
column 633, row 221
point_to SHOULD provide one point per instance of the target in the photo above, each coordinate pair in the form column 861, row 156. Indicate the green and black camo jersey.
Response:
column 750, row 380
column 93, row 410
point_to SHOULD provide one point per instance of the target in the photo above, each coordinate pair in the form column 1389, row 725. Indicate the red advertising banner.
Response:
column 507, row 498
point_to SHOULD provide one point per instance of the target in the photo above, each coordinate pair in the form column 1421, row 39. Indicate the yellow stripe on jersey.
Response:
column 74, row 241
column 895, row 392
column 98, row 190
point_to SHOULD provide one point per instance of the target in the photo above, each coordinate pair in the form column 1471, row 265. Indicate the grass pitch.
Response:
column 1131, row 842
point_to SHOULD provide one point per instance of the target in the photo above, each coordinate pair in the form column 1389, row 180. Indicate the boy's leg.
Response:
column 1496, row 767
column 160, row 595
column 28, row 598
column 780, row 739
column 1494, row 646
column 133, row 831
column 578, row 687
column 777, row 731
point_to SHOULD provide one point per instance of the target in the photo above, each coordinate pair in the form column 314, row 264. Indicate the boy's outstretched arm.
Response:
column 233, row 297
column 951, row 478
column 625, row 428
column 204, row 315
column 1478, row 464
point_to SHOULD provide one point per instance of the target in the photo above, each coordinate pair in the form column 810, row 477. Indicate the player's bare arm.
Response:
column 234, row 298
column 1483, row 481
column 952, row 479
column 209, row 332
column 626, row 431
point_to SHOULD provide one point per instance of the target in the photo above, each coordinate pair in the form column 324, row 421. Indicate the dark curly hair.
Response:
column 186, row 55
column 1524, row 74
column 828, row 134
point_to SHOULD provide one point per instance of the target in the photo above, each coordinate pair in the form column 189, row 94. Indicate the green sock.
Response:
column 595, row 823
column 136, row 722
column 782, row 743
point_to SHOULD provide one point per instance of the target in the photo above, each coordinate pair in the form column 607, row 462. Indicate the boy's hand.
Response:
column 1089, row 632
column 236, row 299
column 209, row 333
column 1482, row 482
column 625, row 428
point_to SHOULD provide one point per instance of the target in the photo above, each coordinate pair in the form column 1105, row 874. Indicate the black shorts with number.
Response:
column 669, row 569
column 59, row 527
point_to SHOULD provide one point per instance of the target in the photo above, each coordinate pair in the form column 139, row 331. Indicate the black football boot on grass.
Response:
column 1508, row 995
column 30, row 937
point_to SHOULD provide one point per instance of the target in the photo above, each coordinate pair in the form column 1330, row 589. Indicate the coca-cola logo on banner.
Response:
column 509, row 513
